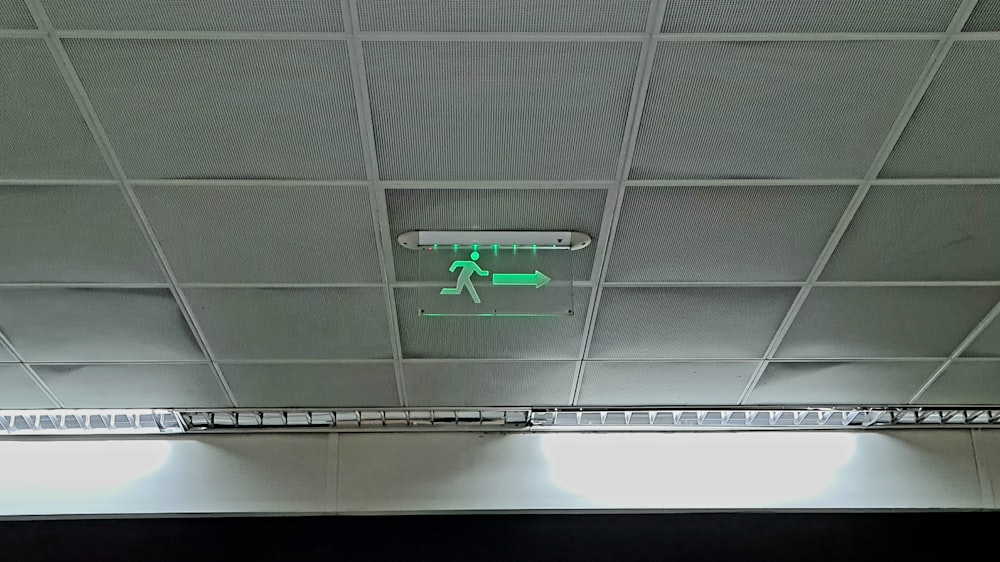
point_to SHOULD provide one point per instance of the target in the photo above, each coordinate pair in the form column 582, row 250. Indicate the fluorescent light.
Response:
column 89, row 422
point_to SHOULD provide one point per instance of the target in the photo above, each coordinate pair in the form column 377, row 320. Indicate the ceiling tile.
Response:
column 772, row 109
column 966, row 383
column 44, row 133
column 847, row 383
column 797, row 16
column 188, row 385
column 505, row 16
column 5, row 355
column 502, row 111
column 987, row 344
column 724, row 233
column 330, row 385
column 330, row 323
column 579, row 210
column 550, row 337
column 272, row 234
column 858, row 322
column 478, row 383
column 985, row 17
column 203, row 15
column 654, row 323
column 72, row 234
column 96, row 324
column 222, row 109
column 649, row 383
column 955, row 131
column 921, row 233
column 15, row 15
column 17, row 390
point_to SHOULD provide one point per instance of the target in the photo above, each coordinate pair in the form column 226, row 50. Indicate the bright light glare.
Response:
column 703, row 470
column 39, row 467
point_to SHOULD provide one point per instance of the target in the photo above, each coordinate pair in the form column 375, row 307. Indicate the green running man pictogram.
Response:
column 465, row 277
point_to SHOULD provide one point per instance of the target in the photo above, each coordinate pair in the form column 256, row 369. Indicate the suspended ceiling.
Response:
column 792, row 202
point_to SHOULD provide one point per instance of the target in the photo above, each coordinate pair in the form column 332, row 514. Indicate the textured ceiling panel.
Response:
column 922, row 233
column 272, row 234
column 72, row 234
column 224, row 109
column 723, row 233
column 514, row 383
column 494, row 209
column 43, row 132
column 134, row 386
column 497, row 16
column 341, row 323
column 502, row 111
column 15, row 15
column 987, row 344
column 966, row 383
column 986, row 16
column 200, row 15
column 96, row 324
column 354, row 385
column 17, row 390
column 688, row 322
column 837, row 384
column 549, row 337
column 770, row 16
column 955, row 130
column 886, row 321
column 812, row 109
column 615, row 383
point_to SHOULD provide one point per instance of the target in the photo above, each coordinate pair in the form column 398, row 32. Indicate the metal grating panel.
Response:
column 549, row 337
column 494, row 209
column 986, row 16
column 955, row 130
column 615, row 383
column 96, row 324
column 812, row 109
column 248, row 109
column 841, row 383
column 183, row 385
column 43, row 132
column 15, row 15
column 200, row 15
column 272, row 234
column 19, row 391
column 886, row 321
column 658, row 323
column 987, row 344
column 465, row 383
column 72, row 234
column 502, row 111
column 313, row 384
column 504, row 16
column 797, row 16
column 933, row 233
column 724, row 233
column 342, row 323
column 966, row 383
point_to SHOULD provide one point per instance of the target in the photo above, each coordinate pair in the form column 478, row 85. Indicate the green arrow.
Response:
column 537, row 279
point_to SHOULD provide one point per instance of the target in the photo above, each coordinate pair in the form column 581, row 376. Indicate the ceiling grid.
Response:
column 318, row 324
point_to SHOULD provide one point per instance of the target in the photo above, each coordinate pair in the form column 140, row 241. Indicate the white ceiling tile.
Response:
column 183, row 385
column 72, row 234
column 644, row 383
column 772, row 109
column 5, row 355
column 44, row 134
column 500, row 111
column 329, row 385
column 15, row 15
column 96, row 324
column 972, row 383
column 17, row 390
column 478, row 383
column 987, row 344
column 985, row 17
column 223, row 109
column 841, row 384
